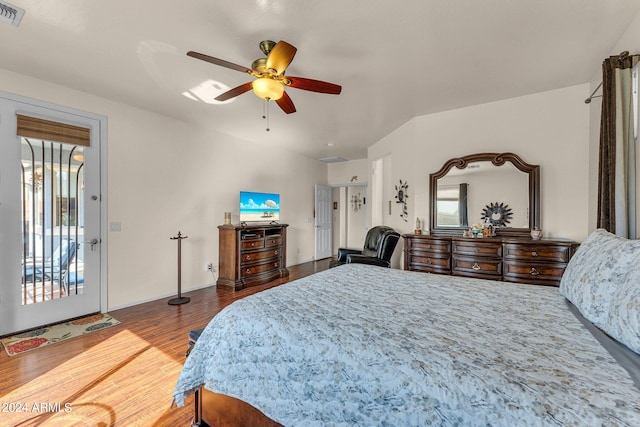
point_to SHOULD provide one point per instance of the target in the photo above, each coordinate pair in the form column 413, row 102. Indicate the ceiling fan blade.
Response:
column 314, row 85
column 217, row 61
column 234, row 92
column 286, row 104
column 280, row 57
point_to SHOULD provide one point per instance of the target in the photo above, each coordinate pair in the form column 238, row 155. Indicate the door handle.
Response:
column 93, row 242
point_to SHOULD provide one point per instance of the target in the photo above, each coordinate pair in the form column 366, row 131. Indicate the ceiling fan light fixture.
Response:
column 267, row 88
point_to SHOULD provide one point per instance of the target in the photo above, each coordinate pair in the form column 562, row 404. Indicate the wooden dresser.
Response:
column 512, row 259
column 251, row 254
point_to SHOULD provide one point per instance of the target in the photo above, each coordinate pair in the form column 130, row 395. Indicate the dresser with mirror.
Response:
column 500, row 193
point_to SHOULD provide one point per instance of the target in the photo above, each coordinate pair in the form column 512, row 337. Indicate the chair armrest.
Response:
column 343, row 252
column 362, row 259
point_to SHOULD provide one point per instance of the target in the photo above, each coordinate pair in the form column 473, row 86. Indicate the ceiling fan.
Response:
column 270, row 80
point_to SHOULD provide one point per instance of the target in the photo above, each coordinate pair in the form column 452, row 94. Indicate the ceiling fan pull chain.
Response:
column 266, row 107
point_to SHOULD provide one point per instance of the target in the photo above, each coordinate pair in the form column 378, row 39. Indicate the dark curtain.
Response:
column 607, row 159
column 462, row 205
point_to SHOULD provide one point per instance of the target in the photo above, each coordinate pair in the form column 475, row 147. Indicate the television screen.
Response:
column 259, row 206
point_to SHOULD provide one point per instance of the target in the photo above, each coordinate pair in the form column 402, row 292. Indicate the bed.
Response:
column 371, row 346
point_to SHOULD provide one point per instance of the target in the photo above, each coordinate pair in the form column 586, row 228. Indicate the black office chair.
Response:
column 378, row 248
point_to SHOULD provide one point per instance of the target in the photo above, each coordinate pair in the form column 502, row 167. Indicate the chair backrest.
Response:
column 380, row 242
column 64, row 254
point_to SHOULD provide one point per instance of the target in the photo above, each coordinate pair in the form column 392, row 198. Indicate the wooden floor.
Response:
column 120, row 376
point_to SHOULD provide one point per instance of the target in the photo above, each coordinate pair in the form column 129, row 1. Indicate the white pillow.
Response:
column 598, row 268
column 623, row 322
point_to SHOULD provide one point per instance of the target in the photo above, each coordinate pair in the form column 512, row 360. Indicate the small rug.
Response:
column 55, row 333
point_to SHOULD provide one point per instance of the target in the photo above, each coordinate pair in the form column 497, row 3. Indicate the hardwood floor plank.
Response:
column 120, row 376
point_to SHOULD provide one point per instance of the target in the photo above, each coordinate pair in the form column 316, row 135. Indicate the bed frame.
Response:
column 219, row 410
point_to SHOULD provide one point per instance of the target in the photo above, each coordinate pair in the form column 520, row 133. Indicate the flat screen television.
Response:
column 259, row 206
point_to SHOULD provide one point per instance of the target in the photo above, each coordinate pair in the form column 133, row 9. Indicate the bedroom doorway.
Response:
column 51, row 209
column 349, row 216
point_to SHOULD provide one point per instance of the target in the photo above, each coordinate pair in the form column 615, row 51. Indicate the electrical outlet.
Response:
column 210, row 267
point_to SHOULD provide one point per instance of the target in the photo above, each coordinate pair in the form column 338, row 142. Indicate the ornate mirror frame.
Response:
column 498, row 159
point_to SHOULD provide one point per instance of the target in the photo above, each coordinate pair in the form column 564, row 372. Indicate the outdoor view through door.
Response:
column 52, row 212
column 52, row 220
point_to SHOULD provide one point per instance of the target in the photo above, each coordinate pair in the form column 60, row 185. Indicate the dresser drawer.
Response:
column 537, row 252
column 478, row 247
column 253, row 244
column 433, row 245
column 272, row 241
column 477, row 266
column 249, row 257
column 533, row 272
column 434, row 262
column 259, row 268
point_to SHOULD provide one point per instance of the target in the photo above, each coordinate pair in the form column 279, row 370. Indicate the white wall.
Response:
column 356, row 220
column 342, row 173
column 550, row 129
column 166, row 176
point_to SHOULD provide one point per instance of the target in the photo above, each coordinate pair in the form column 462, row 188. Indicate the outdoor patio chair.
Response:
column 54, row 268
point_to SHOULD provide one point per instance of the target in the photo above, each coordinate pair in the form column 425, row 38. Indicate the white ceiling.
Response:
column 394, row 59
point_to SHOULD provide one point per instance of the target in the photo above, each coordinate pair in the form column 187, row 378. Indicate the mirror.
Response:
column 498, row 188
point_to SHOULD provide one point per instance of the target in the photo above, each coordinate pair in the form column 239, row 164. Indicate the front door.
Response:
column 50, row 210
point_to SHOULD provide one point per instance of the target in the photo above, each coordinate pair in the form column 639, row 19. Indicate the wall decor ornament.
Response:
column 401, row 197
column 356, row 202
column 497, row 214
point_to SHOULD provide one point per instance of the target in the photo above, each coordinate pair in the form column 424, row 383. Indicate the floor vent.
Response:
column 10, row 14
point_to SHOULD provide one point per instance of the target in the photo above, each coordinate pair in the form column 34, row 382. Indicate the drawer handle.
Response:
column 247, row 257
column 429, row 261
column 253, row 244
column 534, row 254
column 275, row 264
column 248, row 270
column 476, row 267
column 276, row 252
column 534, row 272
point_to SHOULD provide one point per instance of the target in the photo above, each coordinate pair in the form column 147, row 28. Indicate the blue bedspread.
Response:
column 369, row 346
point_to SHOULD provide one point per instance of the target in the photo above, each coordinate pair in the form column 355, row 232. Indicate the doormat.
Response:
column 42, row 337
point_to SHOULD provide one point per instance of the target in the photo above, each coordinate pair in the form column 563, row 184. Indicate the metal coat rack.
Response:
column 180, row 299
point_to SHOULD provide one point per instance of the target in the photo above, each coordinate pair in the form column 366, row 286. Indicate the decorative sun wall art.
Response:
column 497, row 214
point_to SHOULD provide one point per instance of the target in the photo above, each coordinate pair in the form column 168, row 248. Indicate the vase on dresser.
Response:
column 536, row 233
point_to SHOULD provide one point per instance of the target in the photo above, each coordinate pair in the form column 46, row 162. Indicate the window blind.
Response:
column 32, row 127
